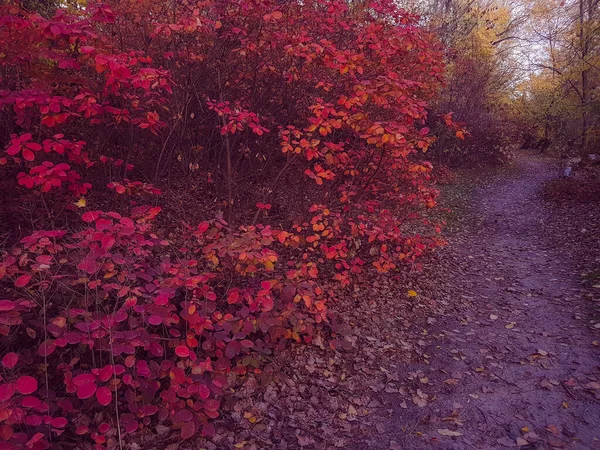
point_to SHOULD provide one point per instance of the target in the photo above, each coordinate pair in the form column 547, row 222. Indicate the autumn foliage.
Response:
column 304, row 122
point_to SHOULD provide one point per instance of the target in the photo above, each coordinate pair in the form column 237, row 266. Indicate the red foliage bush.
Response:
column 111, row 328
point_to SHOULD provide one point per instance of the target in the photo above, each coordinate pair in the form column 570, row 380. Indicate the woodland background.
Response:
column 189, row 188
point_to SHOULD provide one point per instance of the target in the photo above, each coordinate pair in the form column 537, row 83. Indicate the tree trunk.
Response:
column 584, row 41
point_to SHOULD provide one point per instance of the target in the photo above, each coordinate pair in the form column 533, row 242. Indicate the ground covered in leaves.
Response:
column 494, row 345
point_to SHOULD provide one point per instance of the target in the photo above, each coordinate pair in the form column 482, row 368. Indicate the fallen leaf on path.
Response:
column 549, row 384
column 305, row 441
column 556, row 443
column 447, row 432
column 420, row 402
column 593, row 385
column 553, row 429
column 505, row 441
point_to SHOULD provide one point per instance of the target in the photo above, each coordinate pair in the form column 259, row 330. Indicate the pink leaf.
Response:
column 103, row 224
column 30, row 402
column 22, row 280
column 82, row 429
column 188, row 430
column 27, row 385
column 28, row 155
column 84, row 378
column 7, row 305
column 86, row 390
column 10, row 360
column 7, row 390
column 47, row 347
column 103, row 395
column 90, row 216
column 59, row 422
column 182, row 351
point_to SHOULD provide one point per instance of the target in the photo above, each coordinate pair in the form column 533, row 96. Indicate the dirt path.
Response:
column 516, row 367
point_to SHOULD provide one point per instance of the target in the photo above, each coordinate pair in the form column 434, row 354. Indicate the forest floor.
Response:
column 514, row 362
column 499, row 348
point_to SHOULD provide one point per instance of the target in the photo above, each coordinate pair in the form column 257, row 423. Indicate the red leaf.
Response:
column 6, row 391
column 183, row 415
column 148, row 410
column 86, row 390
column 28, row 155
column 30, row 402
column 203, row 391
column 90, row 216
column 47, row 347
column 105, row 373
column 182, row 351
column 212, row 405
column 7, row 305
column 59, row 422
column 103, row 224
column 131, row 426
column 10, row 360
column 81, row 429
column 155, row 320
column 233, row 349
column 33, row 420
column 6, row 432
column 162, row 299
column 84, row 378
column 188, row 430
column 27, row 385
column 233, row 297
column 247, row 343
column 22, row 280
column 34, row 146
column 36, row 438
column 208, row 430
column 103, row 395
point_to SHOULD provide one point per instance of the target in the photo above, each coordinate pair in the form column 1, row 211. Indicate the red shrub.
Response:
column 111, row 328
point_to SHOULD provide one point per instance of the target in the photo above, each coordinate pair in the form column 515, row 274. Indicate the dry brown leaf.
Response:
column 447, row 432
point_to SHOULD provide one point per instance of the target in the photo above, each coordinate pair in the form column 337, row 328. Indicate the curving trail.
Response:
column 515, row 367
